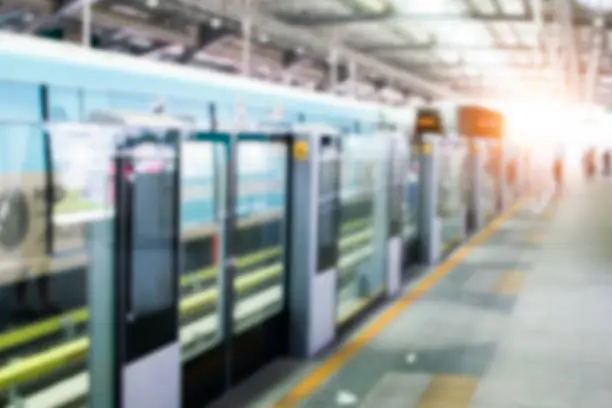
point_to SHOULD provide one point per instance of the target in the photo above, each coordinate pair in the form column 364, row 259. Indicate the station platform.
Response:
column 517, row 317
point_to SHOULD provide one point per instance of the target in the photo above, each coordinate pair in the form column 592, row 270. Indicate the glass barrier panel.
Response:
column 411, row 193
column 328, row 205
column 24, row 261
column 203, row 187
column 358, row 276
column 260, row 237
column 44, row 342
column 395, row 188
column 490, row 183
column 44, row 338
column 452, row 184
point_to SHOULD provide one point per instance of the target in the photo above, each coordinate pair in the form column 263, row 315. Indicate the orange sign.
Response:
column 479, row 122
column 428, row 121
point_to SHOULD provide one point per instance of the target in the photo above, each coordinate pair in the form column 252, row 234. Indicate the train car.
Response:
column 49, row 195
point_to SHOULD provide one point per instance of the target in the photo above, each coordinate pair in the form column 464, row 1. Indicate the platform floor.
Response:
column 519, row 318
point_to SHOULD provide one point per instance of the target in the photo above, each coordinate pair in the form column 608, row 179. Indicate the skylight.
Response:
column 429, row 6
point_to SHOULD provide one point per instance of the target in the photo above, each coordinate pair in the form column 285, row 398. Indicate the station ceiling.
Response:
column 433, row 49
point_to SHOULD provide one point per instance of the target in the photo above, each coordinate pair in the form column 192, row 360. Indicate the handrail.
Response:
column 38, row 364
column 35, row 331
column 354, row 239
column 16, row 337
column 49, row 360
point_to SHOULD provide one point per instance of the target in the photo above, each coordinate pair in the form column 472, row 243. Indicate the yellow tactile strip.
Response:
column 448, row 391
column 510, row 283
column 536, row 237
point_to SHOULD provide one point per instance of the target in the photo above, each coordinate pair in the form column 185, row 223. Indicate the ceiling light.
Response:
column 596, row 6
column 216, row 23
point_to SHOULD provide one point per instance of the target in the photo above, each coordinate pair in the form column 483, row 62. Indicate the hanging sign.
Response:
column 479, row 122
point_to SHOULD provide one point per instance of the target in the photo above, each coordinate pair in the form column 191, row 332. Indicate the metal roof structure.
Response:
column 375, row 49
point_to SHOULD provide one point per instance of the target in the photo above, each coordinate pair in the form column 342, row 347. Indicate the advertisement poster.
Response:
column 82, row 160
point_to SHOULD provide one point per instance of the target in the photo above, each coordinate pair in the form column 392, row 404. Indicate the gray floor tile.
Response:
column 494, row 254
column 507, row 265
column 471, row 360
column 596, row 398
column 483, row 281
column 433, row 325
column 401, row 390
column 488, row 301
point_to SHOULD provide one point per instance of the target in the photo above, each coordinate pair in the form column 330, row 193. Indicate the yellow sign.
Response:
column 427, row 122
column 300, row 150
column 426, row 148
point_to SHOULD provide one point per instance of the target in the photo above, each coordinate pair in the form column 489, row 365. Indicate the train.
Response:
column 52, row 92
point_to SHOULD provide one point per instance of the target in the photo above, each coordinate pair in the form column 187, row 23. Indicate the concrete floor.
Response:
column 522, row 321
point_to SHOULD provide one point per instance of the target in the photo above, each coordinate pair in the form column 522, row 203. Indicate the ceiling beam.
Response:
column 564, row 12
column 482, row 66
column 432, row 47
column 326, row 19
column 206, row 36
column 594, row 63
column 59, row 9
column 102, row 17
column 321, row 44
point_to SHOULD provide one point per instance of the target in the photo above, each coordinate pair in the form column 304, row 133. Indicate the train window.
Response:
column 64, row 104
column 39, row 287
column 20, row 102
column 95, row 101
column 133, row 102
column 196, row 111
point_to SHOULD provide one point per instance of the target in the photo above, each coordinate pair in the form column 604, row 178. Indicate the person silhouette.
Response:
column 558, row 175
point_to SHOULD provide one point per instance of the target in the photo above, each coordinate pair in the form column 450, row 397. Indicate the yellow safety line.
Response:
column 331, row 365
